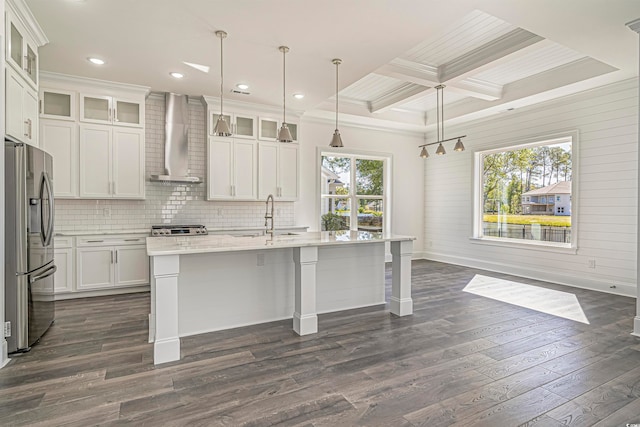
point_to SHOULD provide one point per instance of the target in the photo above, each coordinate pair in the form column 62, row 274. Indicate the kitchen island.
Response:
column 209, row 283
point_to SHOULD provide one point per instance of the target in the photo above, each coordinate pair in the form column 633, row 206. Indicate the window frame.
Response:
column 478, row 189
column 353, row 197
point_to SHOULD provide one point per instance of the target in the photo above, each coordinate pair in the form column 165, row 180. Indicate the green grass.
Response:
column 556, row 221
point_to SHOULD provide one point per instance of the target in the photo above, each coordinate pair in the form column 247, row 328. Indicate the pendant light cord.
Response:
column 221, row 74
column 284, row 86
column 438, row 112
column 337, row 64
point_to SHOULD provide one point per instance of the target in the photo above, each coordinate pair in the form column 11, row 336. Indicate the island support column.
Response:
column 166, row 346
column 401, row 302
column 305, row 318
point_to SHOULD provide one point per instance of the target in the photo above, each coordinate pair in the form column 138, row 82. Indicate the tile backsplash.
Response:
column 168, row 203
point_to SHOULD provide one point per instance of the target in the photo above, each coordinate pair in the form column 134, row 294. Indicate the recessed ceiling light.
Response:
column 242, row 86
column 96, row 61
column 298, row 95
column 176, row 75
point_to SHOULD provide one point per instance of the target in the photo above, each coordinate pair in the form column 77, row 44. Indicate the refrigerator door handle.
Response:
column 46, row 185
column 48, row 272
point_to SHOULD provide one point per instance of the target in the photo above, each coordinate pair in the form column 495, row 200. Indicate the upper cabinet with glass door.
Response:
column 21, row 48
column 241, row 125
column 268, row 129
column 111, row 110
column 58, row 104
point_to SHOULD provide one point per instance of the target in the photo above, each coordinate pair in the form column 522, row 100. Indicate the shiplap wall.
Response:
column 606, row 120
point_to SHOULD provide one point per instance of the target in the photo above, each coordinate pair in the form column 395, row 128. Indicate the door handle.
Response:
column 48, row 272
column 111, row 257
column 116, row 252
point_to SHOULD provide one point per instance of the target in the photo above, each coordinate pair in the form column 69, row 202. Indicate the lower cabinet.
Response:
column 63, row 256
column 104, row 263
column 100, row 265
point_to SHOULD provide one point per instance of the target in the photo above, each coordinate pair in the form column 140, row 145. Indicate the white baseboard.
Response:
column 624, row 289
column 4, row 356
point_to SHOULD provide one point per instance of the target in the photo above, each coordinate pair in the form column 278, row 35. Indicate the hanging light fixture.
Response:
column 284, row 134
column 222, row 127
column 440, row 129
column 336, row 141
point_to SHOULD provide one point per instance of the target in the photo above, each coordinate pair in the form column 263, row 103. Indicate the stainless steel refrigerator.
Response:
column 29, row 263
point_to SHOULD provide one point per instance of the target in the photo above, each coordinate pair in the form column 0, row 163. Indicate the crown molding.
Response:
column 23, row 13
column 51, row 79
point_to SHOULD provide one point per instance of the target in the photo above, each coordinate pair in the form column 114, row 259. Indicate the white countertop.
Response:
column 147, row 231
column 183, row 245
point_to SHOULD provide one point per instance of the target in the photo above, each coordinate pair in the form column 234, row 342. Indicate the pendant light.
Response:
column 222, row 127
column 336, row 141
column 440, row 129
column 284, row 134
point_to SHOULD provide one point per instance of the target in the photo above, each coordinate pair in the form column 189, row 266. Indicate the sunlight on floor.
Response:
column 556, row 303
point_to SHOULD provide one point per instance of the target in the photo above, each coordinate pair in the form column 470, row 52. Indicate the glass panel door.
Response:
column 57, row 105
column 95, row 109
column 16, row 46
column 127, row 112
column 245, row 127
column 32, row 64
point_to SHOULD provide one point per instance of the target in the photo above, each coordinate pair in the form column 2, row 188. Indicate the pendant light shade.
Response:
column 424, row 153
column 440, row 151
column 284, row 134
column 336, row 141
column 458, row 146
column 222, row 127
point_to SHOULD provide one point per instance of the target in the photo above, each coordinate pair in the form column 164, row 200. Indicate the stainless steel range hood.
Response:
column 176, row 142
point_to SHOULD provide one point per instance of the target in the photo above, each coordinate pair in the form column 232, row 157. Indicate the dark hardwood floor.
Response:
column 461, row 360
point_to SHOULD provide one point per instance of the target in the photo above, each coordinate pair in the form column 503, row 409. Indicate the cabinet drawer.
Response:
column 60, row 242
column 111, row 240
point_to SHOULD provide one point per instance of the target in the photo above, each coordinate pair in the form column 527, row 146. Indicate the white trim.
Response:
column 534, row 245
column 51, row 80
column 23, row 13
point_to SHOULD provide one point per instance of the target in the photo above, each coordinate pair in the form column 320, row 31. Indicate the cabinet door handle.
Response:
column 95, row 241
column 109, row 114
column 26, row 128
column 116, row 252
column 30, row 128
column 111, row 257
column 131, row 240
column 115, row 115
column 40, row 107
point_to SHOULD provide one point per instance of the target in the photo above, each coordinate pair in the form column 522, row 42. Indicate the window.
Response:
column 535, row 173
column 353, row 192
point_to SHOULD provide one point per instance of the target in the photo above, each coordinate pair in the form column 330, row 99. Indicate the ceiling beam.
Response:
column 406, row 93
column 427, row 75
column 490, row 52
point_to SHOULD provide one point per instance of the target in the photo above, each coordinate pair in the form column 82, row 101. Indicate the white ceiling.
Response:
column 492, row 55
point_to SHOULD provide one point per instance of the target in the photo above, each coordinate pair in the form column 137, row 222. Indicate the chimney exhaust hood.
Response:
column 176, row 142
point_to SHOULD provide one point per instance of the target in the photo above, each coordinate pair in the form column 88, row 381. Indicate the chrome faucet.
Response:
column 269, row 216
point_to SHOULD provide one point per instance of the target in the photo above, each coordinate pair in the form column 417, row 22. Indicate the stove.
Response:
column 178, row 230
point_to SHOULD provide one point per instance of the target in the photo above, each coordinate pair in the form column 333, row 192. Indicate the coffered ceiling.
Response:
column 492, row 55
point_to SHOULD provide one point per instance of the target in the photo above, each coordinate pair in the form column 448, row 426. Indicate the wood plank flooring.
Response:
column 460, row 360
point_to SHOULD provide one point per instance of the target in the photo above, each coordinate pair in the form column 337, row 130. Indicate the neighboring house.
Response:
column 330, row 184
column 554, row 199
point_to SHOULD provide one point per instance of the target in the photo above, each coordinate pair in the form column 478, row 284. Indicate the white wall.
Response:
column 606, row 120
column 407, row 203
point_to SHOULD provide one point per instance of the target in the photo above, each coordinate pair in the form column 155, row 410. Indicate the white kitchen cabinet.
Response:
column 21, row 109
column 268, row 129
column 60, row 139
column 111, row 162
column 21, row 49
column 231, row 169
column 58, row 104
column 111, row 110
column 63, row 256
column 105, row 262
column 241, row 125
column 278, row 170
